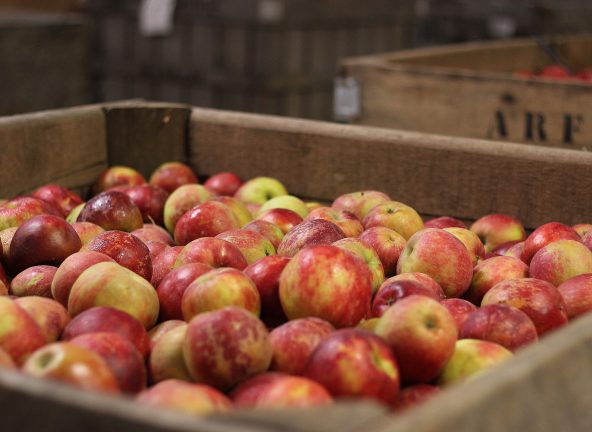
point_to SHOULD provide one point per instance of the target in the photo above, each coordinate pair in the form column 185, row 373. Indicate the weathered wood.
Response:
column 470, row 91
column 437, row 175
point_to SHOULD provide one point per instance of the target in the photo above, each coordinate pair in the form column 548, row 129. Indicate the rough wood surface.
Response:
column 470, row 91
column 437, row 175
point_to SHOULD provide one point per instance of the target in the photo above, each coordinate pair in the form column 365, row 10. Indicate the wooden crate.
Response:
column 267, row 56
column 544, row 388
column 469, row 90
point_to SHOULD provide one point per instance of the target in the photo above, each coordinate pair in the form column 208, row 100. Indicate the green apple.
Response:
column 259, row 190
column 289, row 202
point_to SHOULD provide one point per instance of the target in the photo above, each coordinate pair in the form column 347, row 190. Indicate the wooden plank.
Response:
column 437, row 175
column 67, row 147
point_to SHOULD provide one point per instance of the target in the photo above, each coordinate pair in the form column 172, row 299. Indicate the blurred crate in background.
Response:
column 267, row 56
column 563, row 16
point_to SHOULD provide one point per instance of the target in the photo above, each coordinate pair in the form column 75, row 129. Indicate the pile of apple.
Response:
column 203, row 298
column 557, row 72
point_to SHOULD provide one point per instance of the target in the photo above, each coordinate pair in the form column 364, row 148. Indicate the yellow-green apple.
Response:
column 43, row 239
column 471, row 357
column 73, row 215
column 252, row 245
column 150, row 200
column 309, row 233
column 19, row 333
column 366, row 254
column 59, row 196
column 441, row 256
column 181, row 201
column 33, row 281
column 172, row 175
column 163, row 263
column 161, row 329
column 326, row 282
column 109, row 284
column 19, row 210
column 355, row 363
column 50, row 316
column 422, row 333
column 267, row 229
column 184, row 397
column 492, row 271
column 368, row 324
column 293, row 343
column 126, row 249
column 459, row 309
column 496, row 229
column 86, row 231
column 120, row 355
column 414, row 395
column 388, row 244
column 205, row 220
column 240, row 210
column 471, row 242
column 166, row 357
column 212, row 251
column 577, row 294
column 265, row 274
column 394, row 215
column 110, row 320
column 152, row 232
column 6, row 361
column 545, row 234
column 312, row 205
column 289, row 202
column 393, row 290
column 505, row 325
column 561, row 260
column 360, row 203
column 70, row 269
column 259, row 190
column 284, row 219
column 171, row 289
column 279, row 390
column 218, row 289
column 226, row 346
column 444, row 222
column 223, row 183
column 582, row 228
column 73, row 365
column 117, row 176
column 348, row 222
column 112, row 210
column 538, row 299
column 6, row 236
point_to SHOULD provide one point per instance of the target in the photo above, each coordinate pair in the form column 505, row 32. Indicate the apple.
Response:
column 538, row 299
column 368, row 324
column 205, row 220
column 166, row 358
column 218, row 289
column 289, row 202
column 215, row 351
column 441, row 256
column 212, row 251
column 422, row 334
column 33, row 281
column 444, row 222
column 284, row 219
column 73, row 365
column 360, row 203
column 471, row 242
column 187, row 398
column 110, row 320
column 62, row 198
column 6, row 361
column 561, row 260
column 490, row 272
column 546, row 234
column 224, row 183
column 50, row 316
column 582, row 228
column 171, row 289
column 392, row 291
column 293, row 343
column 19, row 210
column 43, row 239
column 240, row 210
column 152, row 232
column 503, row 249
column 505, row 325
column 73, row 215
column 163, row 263
column 555, row 71
column 587, row 239
column 265, row 274
column 252, row 245
column 259, row 190
column 109, row 284
column 6, row 236
column 414, row 395
column 388, row 244
column 312, row 205
column 172, row 175
column 155, row 248
column 423, row 279
column 348, row 222
column 394, row 215
column 459, row 309
column 278, row 390
column 70, row 269
column 309, row 233
column 120, row 355
column 577, row 295
column 181, row 201
column 112, row 210
column 366, row 254
column 159, row 330
column 19, row 333
column 86, row 231
column 496, row 229
column 472, row 356
column 267, row 229
column 150, row 200
column 117, row 176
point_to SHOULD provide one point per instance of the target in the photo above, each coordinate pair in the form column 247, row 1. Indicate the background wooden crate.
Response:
column 470, row 90
column 232, row 54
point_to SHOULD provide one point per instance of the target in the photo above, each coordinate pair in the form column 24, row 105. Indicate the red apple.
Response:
column 240, row 210
column 163, row 263
column 577, row 295
column 268, row 230
column 587, row 239
column 150, row 200
column 159, row 330
column 459, row 309
column 392, row 291
column 496, row 229
column 33, row 281
column 360, row 203
column 252, row 245
column 555, row 71
column 414, row 395
column 155, row 248
column 388, row 244
column 348, row 222
column 503, row 249
column 284, row 219
column 6, row 361
column 582, row 228
column 546, row 234
column 171, row 289
column 444, row 222
column 151, row 232
column 50, row 316
column 117, row 176
column 368, row 255
column 112, row 210
column 19, row 333
column 561, row 260
column 213, row 252
column 166, row 358
column 59, row 196
column 309, row 233
column 19, row 210
column 181, row 201
column 205, row 220
column 86, row 231
column 471, row 242
column 396, row 216
column 490, row 272
column 224, row 183
column 172, row 175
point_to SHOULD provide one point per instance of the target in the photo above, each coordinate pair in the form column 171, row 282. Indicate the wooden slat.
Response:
column 437, row 175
